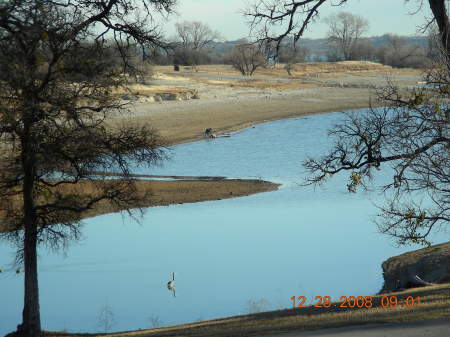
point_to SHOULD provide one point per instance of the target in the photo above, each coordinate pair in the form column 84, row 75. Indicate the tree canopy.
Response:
column 56, row 97
column 411, row 134
column 345, row 30
column 293, row 18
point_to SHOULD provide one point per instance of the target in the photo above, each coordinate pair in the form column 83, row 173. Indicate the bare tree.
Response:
column 53, row 129
column 195, row 35
column 399, row 53
column 246, row 58
column 256, row 306
column 139, row 64
column 411, row 134
column 293, row 54
column 263, row 15
column 434, row 43
column 289, row 55
column 345, row 30
column 106, row 319
column 294, row 17
column 193, row 40
column 155, row 322
column 440, row 11
column 364, row 50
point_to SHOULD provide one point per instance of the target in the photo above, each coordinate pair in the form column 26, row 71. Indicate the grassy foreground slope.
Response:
column 435, row 304
column 393, row 307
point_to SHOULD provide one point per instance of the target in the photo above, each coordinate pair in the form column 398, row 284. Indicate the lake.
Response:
column 230, row 256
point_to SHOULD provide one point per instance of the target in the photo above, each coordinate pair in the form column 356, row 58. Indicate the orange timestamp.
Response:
column 355, row 302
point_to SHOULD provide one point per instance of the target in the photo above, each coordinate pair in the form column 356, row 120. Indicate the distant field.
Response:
column 299, row 69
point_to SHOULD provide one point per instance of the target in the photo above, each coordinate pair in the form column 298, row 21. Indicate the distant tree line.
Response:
column 195, row 43
column 345, row 37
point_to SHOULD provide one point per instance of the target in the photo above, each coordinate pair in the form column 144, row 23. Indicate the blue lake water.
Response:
column 226, row 254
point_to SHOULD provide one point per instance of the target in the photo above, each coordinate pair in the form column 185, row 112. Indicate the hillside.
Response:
column 430, row 264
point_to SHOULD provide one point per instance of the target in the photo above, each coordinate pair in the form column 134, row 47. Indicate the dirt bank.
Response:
column 164, row 193
column 430, row 264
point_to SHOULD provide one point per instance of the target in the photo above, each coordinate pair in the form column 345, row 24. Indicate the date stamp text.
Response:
column 355, row 302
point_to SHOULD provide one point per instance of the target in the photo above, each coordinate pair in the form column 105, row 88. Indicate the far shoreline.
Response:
column 186, row 121
column 241, row 127
column 226, row 102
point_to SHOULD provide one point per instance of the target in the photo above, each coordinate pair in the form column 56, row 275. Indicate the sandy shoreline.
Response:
column 189, row 125
column 153, row 193
column 229, row 102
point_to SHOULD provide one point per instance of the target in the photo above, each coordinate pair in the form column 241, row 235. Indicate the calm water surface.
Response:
column 226, row 254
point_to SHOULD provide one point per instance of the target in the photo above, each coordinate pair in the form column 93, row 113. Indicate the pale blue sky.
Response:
column 385, row 16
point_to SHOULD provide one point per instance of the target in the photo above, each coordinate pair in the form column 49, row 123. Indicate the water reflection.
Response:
column 229, row 256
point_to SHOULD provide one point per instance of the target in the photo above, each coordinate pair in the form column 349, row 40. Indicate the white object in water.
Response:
column 171, row 285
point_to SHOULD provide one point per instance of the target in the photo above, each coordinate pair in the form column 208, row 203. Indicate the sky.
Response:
column 384, row 16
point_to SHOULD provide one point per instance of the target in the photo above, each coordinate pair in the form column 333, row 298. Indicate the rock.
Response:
column 128, row 97
column 145, row 99
column 195, row 95
column 209, row 133
column 417, row 268
column 169, row 96
column 183, row 96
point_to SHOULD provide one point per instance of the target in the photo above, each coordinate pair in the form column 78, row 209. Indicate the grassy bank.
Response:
column 434, row 304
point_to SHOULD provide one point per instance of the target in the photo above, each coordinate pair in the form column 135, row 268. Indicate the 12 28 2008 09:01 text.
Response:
column 355, row 302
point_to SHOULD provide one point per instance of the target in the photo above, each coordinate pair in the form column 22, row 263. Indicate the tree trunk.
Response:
column 31, row 320
column 439, row 10
column 31, row 324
